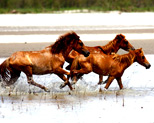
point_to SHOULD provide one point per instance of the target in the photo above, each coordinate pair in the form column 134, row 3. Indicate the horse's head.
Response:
column 78, row 45
column 69, row 41
column 141, row 59
column 123, row 43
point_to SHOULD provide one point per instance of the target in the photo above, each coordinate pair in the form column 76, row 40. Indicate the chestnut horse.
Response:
column 112, row 47
column 46, row 61
column 108, row 65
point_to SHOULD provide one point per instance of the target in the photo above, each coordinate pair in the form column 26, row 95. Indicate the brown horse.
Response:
column 108, row 65
column 112, row 47
column 48, row 60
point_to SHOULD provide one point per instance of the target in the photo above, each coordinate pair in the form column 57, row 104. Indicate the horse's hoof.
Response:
column 81, row 78
column 71, row 88
column 73, row 82
column 62, row 86
column 104, row 89
column 46, row 90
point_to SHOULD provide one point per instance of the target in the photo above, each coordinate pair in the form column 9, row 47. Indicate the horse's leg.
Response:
column 75, row 78
column 32, row 82
column 66, row 82
column 85, row 69
column 100, row 79
column 60, row 72
column 119, row 82
column 28, row 71
column 109, row 81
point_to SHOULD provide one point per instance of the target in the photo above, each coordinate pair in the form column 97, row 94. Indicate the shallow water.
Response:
column 108, row 106
column 87, row 103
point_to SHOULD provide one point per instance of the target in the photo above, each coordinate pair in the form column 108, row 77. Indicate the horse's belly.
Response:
column 41, row 71
column 101, row 68
column 101, row 71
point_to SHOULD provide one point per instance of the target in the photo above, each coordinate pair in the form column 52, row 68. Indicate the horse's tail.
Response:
column 4, row 70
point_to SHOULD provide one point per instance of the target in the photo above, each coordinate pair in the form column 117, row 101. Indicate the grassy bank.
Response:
column 75, row 10
column 47, row 6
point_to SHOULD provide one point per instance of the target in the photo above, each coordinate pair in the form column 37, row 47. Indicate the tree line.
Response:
column 105, row 5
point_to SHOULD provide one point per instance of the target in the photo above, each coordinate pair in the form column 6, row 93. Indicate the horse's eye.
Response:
column 81, row 44
column 126, row 42
column 143, row 57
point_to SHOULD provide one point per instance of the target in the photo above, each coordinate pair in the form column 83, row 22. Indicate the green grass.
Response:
column 49, row 6
column 99, row 9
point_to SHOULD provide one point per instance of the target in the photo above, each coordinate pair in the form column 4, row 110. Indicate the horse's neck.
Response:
column 110, row 47
column 128, row 59
column 66, row 52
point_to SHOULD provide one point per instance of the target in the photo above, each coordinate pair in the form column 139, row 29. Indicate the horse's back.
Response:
column 19, row 57
column 95, row 49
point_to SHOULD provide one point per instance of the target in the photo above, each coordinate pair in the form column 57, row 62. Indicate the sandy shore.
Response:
column 93, row 28
column 6, row 49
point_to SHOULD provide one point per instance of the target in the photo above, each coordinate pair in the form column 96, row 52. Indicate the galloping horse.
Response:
column 48, row 60
column 112, row 47
column 108, row 65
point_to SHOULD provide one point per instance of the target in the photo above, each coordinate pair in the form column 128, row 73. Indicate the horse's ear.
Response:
column 120, row 37
column 140, row 50
column 74, row 36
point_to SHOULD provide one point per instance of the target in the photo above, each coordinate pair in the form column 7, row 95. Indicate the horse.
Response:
column 112, row 66
column 119, row 42
column 46, row 61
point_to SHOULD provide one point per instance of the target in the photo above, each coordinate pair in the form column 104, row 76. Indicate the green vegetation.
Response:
column 45, row 6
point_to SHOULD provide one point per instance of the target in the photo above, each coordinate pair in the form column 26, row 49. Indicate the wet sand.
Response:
column 6, row 49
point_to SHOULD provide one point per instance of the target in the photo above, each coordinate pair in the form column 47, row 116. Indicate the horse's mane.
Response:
column 50, row 46
column 126, row 58
column 99, row 47
column 63, row 41
column 110, row 47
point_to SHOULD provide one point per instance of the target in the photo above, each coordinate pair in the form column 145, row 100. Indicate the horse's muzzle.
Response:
column 148, row 66
column 132, row 48
column 86, row 53
column 129, row 49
